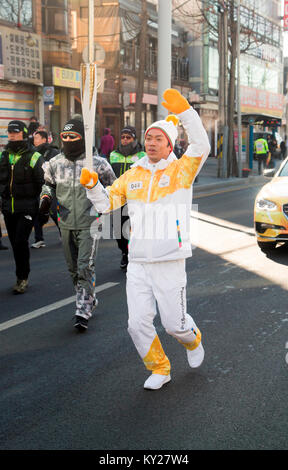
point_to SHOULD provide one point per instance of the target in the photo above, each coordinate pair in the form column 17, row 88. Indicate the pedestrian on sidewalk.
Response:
column 76, row 214
column 48, row 151
column 261, row 151
column 106, row 143
column 283, row 149
column 21, row 180
column 127, row 153
column 158, row 191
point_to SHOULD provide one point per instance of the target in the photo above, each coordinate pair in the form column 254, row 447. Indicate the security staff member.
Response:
column 21, row 179
column 261, row 150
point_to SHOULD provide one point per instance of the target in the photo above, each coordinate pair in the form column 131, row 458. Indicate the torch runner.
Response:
column 88, row 90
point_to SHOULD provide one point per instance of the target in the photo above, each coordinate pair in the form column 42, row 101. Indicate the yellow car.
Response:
column 271, row 210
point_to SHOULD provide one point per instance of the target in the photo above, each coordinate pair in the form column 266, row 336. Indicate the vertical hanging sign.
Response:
column 285, row 17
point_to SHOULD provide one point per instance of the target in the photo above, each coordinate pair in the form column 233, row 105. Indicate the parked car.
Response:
column 271, row 209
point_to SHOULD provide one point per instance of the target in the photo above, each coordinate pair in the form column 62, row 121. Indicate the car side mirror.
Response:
column 269, row 172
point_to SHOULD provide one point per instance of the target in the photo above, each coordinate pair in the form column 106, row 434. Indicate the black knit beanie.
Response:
column 74, row 126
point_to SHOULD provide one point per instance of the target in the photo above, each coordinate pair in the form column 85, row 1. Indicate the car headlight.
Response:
column 264, row 204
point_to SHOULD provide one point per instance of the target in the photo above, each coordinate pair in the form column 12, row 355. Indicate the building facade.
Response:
column 117, row 53
column 43, row 43
column 261, row 62
column 35, row 47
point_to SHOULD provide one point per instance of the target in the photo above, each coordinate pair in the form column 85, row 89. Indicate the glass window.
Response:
column 213, row 68
column 17, row 12
column 54, row 17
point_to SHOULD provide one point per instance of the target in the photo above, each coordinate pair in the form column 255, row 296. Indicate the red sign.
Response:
column 285, row 17
column 258, row 101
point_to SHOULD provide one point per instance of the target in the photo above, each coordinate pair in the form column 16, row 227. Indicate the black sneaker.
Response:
column 124, row 261
column 81, row 323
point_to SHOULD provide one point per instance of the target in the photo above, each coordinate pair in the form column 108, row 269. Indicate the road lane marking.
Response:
column 49, row 308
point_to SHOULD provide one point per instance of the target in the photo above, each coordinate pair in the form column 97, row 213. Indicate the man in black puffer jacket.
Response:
column 21, row 180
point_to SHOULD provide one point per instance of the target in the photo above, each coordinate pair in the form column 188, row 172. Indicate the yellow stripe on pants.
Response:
column 194, row 344
column 156, row 359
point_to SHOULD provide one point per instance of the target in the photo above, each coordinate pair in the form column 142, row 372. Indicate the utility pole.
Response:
column 141, row 70
column 223, row 85
column 239, row 120
column 164, row 52
column 91, row 31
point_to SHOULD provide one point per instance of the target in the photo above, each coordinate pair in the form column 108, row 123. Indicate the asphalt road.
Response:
column 61, row 390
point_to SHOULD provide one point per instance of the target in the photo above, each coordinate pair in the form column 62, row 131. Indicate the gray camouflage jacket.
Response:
column 62, row 180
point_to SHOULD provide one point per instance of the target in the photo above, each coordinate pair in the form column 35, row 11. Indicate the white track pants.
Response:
column 164, row 283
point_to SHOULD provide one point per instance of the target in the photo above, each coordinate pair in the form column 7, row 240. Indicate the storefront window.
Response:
column 54, row 17
column 18, row 12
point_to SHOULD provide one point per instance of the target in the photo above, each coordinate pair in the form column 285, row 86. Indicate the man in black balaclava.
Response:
column 21, row 180
column 76, row 215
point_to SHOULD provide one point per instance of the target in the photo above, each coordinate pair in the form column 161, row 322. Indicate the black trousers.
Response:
column 125, row 231
column 261, row 162
column 38, row 228
column 19, row 227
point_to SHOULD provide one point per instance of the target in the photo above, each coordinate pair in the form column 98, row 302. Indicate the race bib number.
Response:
column 135, row 185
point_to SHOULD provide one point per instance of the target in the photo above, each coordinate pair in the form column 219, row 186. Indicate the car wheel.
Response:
column 266, row 247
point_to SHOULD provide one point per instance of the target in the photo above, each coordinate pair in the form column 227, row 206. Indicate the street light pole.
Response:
column 91, row 32
column 239, row 121
column 164, row 51
column 223, row 85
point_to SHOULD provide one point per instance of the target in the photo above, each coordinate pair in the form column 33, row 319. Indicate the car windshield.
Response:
column 284, row 170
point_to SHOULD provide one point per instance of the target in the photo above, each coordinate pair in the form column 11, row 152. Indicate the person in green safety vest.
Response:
column 261, row 151
column 21, row 180
column 127, row 153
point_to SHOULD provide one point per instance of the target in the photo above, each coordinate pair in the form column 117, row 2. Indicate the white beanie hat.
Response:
column 168, row 126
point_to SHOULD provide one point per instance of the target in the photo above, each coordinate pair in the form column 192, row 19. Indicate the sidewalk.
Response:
column 207, row 178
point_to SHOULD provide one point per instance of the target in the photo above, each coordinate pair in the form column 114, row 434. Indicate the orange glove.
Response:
column 175, row 102
column 88, row 178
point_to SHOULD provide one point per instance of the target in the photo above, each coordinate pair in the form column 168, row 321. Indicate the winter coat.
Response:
column 47, row 150
column 159, row 198
column 62, row 179
column 120, row 163
column 21, row 179
column 106, row 143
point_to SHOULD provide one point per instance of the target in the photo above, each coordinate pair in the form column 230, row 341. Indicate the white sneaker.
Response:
column 155, row 381
column 196, row 357
column 39, row 244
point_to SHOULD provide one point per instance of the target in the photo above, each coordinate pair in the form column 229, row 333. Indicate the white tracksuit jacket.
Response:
column 159, row 199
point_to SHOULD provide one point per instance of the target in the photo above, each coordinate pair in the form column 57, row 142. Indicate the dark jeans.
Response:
column 123, row 241
column 261, row 162
column 38, row 228
column 19, row 227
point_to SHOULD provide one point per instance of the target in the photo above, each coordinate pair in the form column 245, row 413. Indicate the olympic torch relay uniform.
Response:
column 159, row 198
